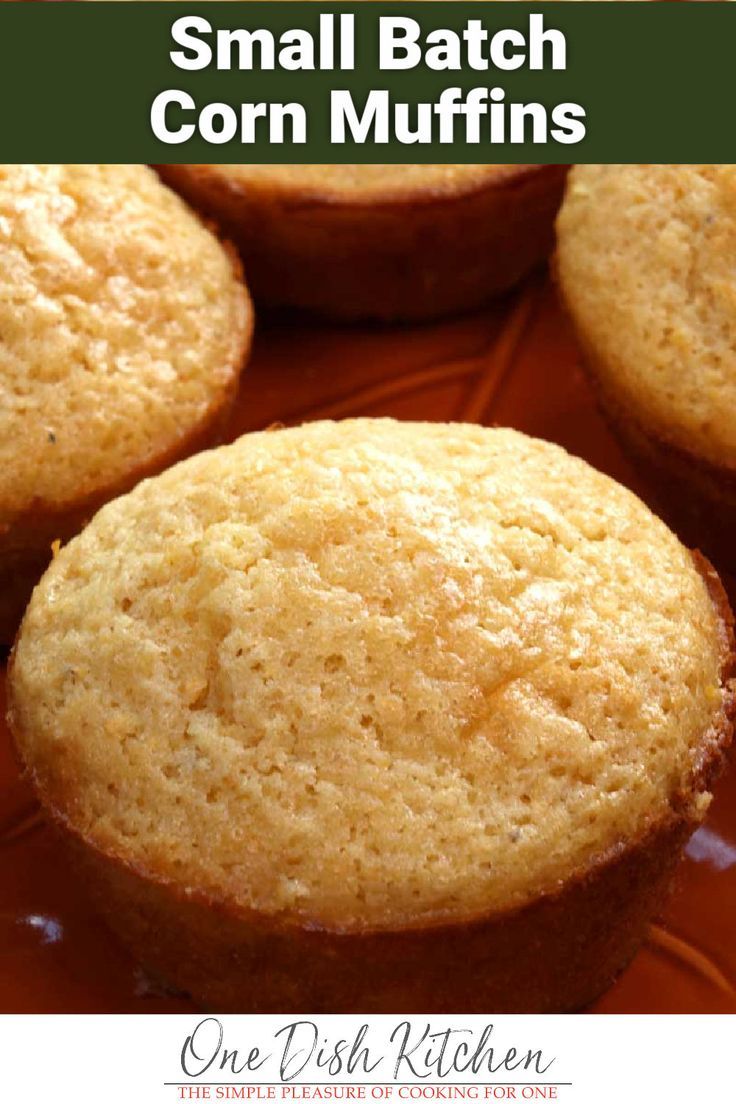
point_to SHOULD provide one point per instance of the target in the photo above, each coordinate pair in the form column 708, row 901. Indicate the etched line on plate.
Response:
column 390, row 389
column 21, row 822
column 477, row 406
column 691, row 957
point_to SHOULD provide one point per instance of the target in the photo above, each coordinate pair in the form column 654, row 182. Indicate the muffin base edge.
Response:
column 555, row 954
column 389, row 259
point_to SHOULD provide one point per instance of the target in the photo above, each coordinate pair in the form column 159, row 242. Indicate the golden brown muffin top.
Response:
column 647, row 266
column 122, row 327
column 364, row 183
column 369, row 674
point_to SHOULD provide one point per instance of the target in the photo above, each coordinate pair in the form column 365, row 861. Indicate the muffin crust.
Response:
column 661, row 309
column 124, row 327
column 354, row 684
column 657, row 327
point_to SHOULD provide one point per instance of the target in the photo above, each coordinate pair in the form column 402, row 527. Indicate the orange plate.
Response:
column 514, row 364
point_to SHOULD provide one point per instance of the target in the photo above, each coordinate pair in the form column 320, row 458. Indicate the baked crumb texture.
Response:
column 366, row 183
column 372, row 676
column 123, row 327
column 644, row 263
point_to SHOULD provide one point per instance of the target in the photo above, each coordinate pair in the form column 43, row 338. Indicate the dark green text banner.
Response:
column 465, row 82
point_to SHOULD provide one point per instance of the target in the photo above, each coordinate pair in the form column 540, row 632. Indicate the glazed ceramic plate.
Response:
column 514, row 364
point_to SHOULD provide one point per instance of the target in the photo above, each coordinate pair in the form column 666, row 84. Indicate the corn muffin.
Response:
column 381, row 241
column 123, row 327
column 376, row 716
column 645, row 263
